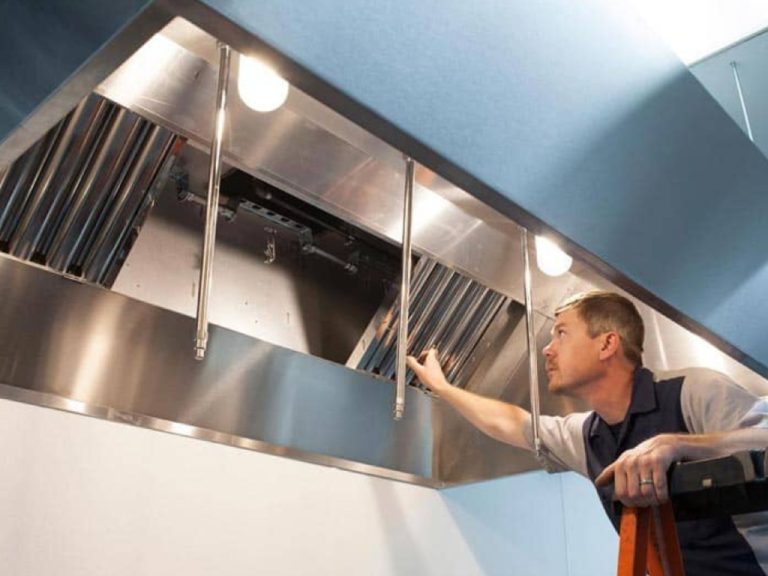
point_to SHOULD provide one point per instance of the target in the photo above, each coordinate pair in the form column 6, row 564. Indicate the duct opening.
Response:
column 448, row 310
column 284, row 271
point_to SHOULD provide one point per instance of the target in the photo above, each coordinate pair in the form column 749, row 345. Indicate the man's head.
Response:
column 593, row 333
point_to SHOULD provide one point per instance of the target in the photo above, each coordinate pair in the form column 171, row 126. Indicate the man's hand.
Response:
column 639, row 475
column 428, row 371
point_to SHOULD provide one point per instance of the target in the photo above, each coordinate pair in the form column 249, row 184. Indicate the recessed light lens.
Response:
column 260, row 87
column 550, row 258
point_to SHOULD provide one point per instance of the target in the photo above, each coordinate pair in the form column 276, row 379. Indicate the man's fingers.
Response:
column 632, row 484
column 606, row 476
column 639, row 475
column 620, row 486
column 413, row 364
column 431, row 353
column 420, row 360
column 660, row 483
column 427, row 369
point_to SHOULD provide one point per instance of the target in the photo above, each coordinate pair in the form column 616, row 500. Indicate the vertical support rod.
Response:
column 533, row 366
column 211, row 210
column 405, row 286
column 741, row 100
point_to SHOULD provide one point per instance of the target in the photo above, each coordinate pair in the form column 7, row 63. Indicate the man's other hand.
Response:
column 639, row 475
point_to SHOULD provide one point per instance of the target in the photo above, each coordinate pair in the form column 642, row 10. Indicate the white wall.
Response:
column 695, row 29
column 80, row 497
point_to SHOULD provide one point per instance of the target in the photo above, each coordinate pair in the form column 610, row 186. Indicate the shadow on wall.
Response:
column 667, row 175
column 400, row 533
column 533, row 524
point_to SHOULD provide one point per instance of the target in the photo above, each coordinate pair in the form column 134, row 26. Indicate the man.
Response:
column 639, row 424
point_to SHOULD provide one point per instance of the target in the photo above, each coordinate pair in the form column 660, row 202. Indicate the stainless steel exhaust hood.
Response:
column 350, row 180
column 286, row 318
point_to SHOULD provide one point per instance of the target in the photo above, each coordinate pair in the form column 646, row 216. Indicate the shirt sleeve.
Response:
column 712, row 402
column 562, row 440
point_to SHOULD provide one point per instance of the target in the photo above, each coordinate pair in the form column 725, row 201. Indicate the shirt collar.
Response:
column 643, row 399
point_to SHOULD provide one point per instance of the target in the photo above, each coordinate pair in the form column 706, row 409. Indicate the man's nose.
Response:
column 548, row 350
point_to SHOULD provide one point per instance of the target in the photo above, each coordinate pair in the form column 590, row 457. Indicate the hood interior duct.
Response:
column 74, row 202
column 448, row 311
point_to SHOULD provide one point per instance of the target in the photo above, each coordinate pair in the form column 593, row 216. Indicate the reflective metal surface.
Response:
column 76, row 199
column 299, row 301
column 69, row 342
column 212, row 202
column 406, row 264
column 308, row 150
column 57, row 402
column 447, row 311
column 531, row 344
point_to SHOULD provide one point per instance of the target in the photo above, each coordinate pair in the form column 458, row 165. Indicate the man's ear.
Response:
column 609, row 345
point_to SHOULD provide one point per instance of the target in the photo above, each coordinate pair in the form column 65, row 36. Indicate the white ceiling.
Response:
column 695, row 29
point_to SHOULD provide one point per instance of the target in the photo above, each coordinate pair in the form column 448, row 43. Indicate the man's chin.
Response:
column 558, row 387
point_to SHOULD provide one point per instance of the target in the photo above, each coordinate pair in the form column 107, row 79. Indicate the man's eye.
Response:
column 561, row 332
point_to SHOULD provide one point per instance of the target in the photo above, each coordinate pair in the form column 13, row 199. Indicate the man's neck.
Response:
column 611, row 395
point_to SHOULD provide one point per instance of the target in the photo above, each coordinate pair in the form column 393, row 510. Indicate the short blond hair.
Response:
column 605, row 311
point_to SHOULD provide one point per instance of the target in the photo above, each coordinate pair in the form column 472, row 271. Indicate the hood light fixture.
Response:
column 260, row 87
column 550, row 258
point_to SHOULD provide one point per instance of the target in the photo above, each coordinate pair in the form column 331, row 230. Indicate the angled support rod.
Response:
column 741, row 100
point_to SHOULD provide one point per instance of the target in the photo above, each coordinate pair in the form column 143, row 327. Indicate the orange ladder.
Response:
column 648, row 541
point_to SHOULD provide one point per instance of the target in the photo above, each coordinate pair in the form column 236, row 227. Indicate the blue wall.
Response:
column 44, row 42
column 534, row 524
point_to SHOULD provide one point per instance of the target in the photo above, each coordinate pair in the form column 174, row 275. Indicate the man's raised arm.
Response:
column 499, row 420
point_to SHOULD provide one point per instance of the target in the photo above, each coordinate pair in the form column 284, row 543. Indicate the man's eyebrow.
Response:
column 557, row 325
